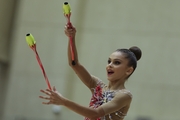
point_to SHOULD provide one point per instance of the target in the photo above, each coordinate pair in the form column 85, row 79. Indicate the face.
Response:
column 117, row 68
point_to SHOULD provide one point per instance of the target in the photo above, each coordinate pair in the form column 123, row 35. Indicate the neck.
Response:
column 116, row 85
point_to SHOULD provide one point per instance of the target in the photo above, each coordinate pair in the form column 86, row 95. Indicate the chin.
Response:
column 110, row 79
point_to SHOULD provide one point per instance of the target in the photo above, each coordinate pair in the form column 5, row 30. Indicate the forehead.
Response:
column 117, row 55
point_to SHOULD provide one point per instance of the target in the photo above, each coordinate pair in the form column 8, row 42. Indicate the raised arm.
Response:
column 79, row 69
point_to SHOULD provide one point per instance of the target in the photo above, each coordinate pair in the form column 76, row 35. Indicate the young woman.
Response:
column 108, row 102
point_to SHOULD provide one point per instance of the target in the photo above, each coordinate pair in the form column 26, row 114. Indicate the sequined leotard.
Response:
column 102, row 95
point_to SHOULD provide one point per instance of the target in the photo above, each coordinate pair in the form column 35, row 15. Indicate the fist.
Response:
column 70, row 31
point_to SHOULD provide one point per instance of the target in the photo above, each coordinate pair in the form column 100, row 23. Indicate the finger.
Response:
column 67, row 32
column 54, row 88
column 45, row 92
column 68, row 27
column 50, row 102
column 65, row 27
column 51, row 92
column 44, row 97
column 46, row 103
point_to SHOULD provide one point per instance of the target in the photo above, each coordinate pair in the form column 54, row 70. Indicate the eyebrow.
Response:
column 116, row 59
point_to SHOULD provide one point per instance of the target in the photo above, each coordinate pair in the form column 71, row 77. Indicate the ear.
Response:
column 129, row 71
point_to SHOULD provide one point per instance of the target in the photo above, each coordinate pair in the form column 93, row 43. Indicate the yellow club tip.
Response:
column 66, row 8
column 30, row 40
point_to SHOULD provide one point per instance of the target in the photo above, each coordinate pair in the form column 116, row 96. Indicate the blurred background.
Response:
column 102, row 27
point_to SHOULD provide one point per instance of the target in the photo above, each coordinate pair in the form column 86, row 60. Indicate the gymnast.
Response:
column 108, row 102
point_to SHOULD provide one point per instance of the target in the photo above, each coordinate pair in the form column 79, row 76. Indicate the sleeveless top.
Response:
column 100, row 97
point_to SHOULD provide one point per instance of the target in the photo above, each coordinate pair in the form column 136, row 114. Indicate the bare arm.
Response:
column 105, row 109
column 79, row 69
column 84, row 111
column 117, row 103
column 56, row 98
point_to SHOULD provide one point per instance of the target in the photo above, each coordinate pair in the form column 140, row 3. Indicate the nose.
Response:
column 110, row 64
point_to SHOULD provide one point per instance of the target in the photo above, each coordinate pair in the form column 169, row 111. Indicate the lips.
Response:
column 110, row 72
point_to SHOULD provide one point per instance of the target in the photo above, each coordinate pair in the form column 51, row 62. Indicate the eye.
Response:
column 109, row 61
column 117, row 62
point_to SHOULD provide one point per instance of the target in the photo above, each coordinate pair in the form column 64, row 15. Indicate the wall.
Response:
column 102, row 27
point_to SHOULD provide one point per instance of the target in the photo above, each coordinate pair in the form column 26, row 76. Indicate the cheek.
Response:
column 121, row 69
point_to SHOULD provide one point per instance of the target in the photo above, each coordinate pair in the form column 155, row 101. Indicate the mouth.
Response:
column 110, row 72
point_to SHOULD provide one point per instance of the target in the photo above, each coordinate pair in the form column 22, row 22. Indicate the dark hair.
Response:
column 133, row 54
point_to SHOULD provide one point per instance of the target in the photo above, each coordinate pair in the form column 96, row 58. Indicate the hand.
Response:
column 53, row 96
column 70, row 31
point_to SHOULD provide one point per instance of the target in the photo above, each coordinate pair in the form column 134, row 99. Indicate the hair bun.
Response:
column 137, row 52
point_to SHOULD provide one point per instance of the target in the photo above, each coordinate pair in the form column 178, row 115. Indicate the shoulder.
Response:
column 125, row 92
column 98, row 81
column 123, row 95
column 121, row 99
column 97, row 85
